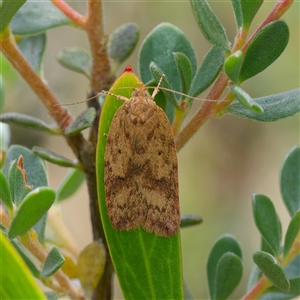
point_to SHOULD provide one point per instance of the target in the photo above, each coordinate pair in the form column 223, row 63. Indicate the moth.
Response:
column 141, row 168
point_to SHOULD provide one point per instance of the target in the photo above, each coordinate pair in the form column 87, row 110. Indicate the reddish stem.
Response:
column 257, row 289
column 77, row 18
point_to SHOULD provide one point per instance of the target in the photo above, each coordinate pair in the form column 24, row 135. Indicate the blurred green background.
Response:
column 227, row 161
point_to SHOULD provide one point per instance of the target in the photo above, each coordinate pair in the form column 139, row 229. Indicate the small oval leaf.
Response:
column 290, row 180
column 229, row 274
column 31, row 210
column 190, row 220
column 75, row 59
column 53, row 262
column 267, row 222
column 264, row 49
column 232, row 66
column 272, row 269
column 121, row 43
column 226, row 243
column 36, row 17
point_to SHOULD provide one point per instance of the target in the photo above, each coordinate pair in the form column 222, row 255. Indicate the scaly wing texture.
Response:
column 141, row 174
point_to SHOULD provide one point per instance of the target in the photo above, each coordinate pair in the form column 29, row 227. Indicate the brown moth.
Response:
column 140, row 167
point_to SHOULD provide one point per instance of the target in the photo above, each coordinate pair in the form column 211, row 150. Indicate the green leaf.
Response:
column 17, row 179
column 264, row 49
column 53, row 157
column 159, row 258
column 83, row 121
column 232, row 66
column 165, row 36
column 245, row 11
column 276, row 107
column 16, row 279
column 208, row 71
column 8, row 9
column 33, row 207
column 267, row 222
column 246, row 99
column 121, row 43
column 209, row 24
column 2, row 92
column 34, row 166
column 37, row 17
column 190, row 220
column 254, row 277
column 187, row 293
column 5, row 194
column 226, row 243
column 185, row 71
column 292, row 232
column 272, row 269
column 33, row 48
column 290, row 181
column 75, row 59
column 228, row 275
column 53, row 262
column 28, row 122
column 70, row 184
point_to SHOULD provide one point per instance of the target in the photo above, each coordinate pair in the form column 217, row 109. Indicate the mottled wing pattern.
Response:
column 141, row 172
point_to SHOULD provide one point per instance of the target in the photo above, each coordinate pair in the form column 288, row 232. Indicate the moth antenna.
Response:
column 156, row 90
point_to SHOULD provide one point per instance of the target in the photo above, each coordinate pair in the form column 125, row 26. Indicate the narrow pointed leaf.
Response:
column 16, row 279
column 70, row 184
column 53, row 262
column 185, row 71
column 292, row 232
column 165, row 36
column 226, row 243
column 190, row 220
column 209, row 24
column 187, row 293
column 246, row 99
column 122, row 42
column 33, row 207
column 229, row 274
column 83, row 121
column 266, row 221
column 5, row 194
column 75, row 59
column 28, row 122
column 37, row 17
column 4, row 138
column 272, row 269
column 264, row 49
column 208, row 71
column 33, row 48
column 7, row 11
column 276, row 107
column 290, row 180
column 232, row 66
column 53, row 157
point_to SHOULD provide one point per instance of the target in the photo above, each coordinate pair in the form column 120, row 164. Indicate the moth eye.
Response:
column 159, row 152
column 146, row 94
column 119, row 151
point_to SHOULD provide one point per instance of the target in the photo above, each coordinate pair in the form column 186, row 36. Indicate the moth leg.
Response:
column 156, row 90
column 120, row 97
